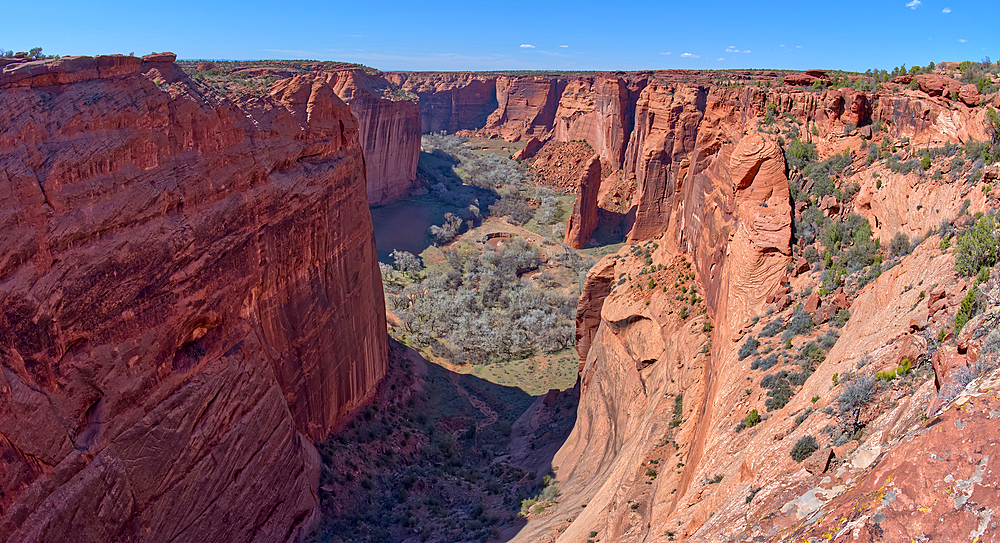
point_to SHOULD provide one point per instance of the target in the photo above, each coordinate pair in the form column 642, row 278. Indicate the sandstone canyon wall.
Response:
column 189, row 297
column 656, row 454
column 450, row 102
column 389, row 130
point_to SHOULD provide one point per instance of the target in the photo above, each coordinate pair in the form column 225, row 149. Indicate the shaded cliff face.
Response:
column 189, row 296
column 389, row 132
column 601, row 111
column 526, row 106
column 450, row 101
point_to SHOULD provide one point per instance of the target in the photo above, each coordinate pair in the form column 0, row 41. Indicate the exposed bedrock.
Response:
column 189, row 298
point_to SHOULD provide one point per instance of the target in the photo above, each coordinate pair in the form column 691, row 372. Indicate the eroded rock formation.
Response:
column 450, row 101
column 389, row 131
column 656, row 454
column 584, row 218
column 189, row 298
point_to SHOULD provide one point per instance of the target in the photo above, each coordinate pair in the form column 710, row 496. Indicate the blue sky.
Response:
column 518, row 34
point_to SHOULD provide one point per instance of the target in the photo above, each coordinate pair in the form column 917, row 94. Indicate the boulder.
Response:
column 529, row 150
column 160, row 57
column 812, row 303
column 969, row 95
column 937, row 85
column 801, row 266
column 819, row 461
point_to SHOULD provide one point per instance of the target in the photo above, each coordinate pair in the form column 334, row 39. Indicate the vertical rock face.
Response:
column 601, row 112
column 526, row 106
column 389, row 131
column 666, row 129
column 584, row 218
column 188, row 296
column 450, row 101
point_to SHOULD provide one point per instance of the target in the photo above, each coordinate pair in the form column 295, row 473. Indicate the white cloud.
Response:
column 782, row 45
column 689, row 55
column 563, row 46
column 732, row 49
column 962, row 40
column 667, row 53
column 527, row 46
column 946, row 10
column 720, row 58
column 798, row 47
column 913, row 4
column 745, row 51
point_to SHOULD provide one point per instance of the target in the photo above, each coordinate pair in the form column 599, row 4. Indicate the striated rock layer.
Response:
column 656, row 454
column 188, row 298
column 389, row 131
column 584, row 218
column 450, row 102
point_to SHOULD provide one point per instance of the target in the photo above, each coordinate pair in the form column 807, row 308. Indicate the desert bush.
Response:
column 811, row 255
column 548, row 212
column 749, row 347
column 448, row 231
column 753, row 418
column 992, row 342
column 514, row 206
column 977, row 247
column 406, row 262
column 772, row 328
column 482, row 312
column 841, row 318
column 903, row 167
column 810, row 225
column 858, row 390
column 900, row 245
column 800, row 323
column 804, row 448
column 764, row 364
column 965, row 375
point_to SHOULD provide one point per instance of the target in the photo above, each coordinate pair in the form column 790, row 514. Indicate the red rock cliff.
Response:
column 601, row 111
column 189, row 297
column 450, row 101
column 389, row 130
column 713, row 207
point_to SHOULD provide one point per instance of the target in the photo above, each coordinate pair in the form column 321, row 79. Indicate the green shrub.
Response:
column 799, row 154
column 977, row 247
column 753, row 418
column 779, row 387
column 900, row 245
column 925, row 163
column 678, row 411
column 967, row 309
column 804, row 448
